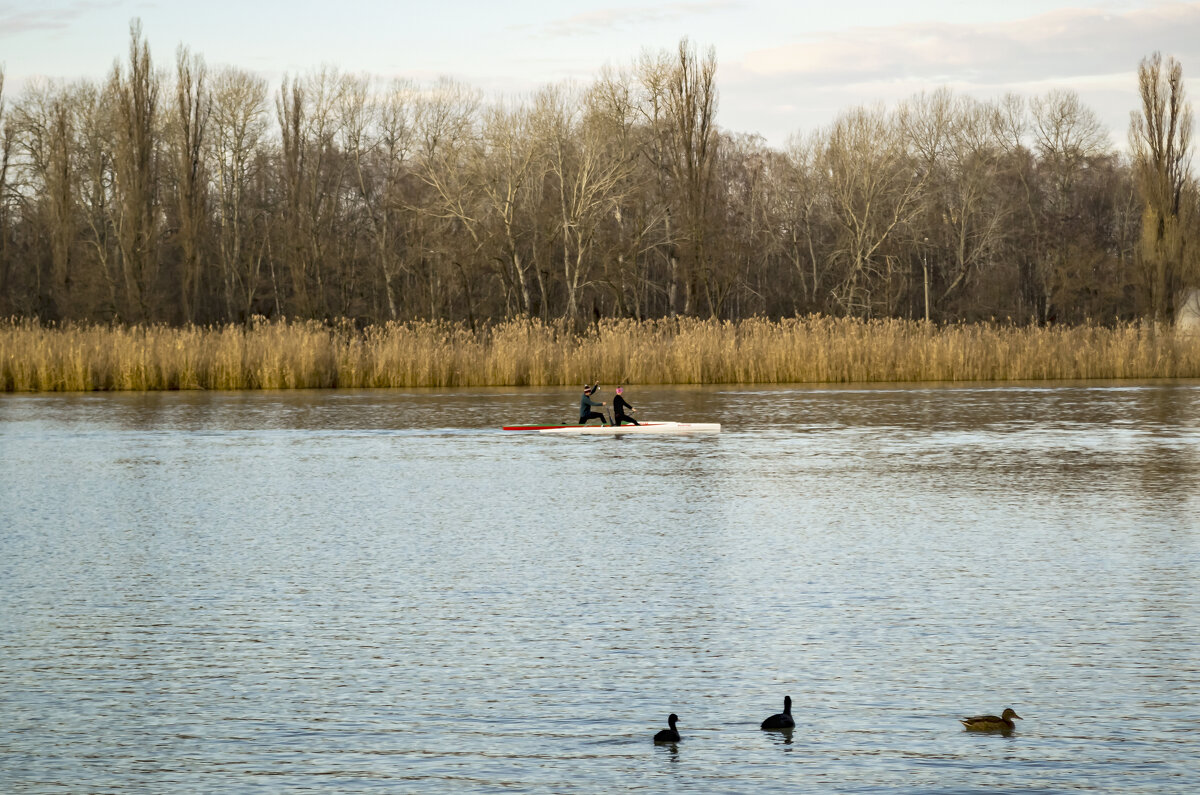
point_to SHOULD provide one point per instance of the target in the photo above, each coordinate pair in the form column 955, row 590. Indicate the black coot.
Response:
column 670, row 735
column 784, row 719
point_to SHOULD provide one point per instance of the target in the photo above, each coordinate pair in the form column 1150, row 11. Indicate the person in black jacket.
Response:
column 619, row 406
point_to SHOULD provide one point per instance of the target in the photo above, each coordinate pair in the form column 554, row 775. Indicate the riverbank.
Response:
column 299, row 355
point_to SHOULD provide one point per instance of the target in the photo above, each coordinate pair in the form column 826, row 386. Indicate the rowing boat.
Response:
column 614, row 430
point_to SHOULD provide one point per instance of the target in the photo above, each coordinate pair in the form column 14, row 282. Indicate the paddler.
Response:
column 619, row 406
column 586, row 404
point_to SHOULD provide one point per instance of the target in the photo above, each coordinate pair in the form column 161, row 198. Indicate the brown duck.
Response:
column 990, row 723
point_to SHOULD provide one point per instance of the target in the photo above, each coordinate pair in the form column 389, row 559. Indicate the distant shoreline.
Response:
column 813, row 349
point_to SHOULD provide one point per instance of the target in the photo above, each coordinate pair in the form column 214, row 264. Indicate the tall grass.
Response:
column 296, row 355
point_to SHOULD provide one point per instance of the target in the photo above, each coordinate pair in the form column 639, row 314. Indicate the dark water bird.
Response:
column 670, row 735
column 990, row 723
column 784, row 719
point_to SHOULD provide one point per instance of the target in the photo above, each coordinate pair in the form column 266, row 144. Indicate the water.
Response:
column 353, row 591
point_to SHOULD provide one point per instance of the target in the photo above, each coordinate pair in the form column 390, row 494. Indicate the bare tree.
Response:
column 1160, row 139
column 357, row 141
column 239, row 126
column 974, row 211
column 5, row 151
column 928, row 122
column 135, row 168
column 805, row 210
column 585, row 177
column 290, row 108
column 610, row 114
column 350, row 198
column 745, row 222
column 46, row 138
column 446, row 135
column 99, row 199
column 691, row 108
column 503, row 161
column 1066, row 134
column 1067, row 137
column 189, row 127
column 653, row 76
column 379, row 136
column 873, row 190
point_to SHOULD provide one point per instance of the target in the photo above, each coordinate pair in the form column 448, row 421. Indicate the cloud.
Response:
column 22, row 17
column 1060, row 44
column 629, row 17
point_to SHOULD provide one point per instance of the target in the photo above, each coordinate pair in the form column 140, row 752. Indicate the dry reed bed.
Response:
column 294, row 355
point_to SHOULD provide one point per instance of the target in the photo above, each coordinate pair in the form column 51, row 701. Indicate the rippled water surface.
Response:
column 353, row 591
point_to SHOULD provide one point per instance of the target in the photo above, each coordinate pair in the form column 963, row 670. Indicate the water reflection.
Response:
column 382, row 590
column 782, row 737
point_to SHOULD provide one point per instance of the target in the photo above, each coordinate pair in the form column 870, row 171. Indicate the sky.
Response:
column 783, row 67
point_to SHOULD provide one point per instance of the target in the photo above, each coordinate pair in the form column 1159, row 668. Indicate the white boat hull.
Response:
column 655, row 427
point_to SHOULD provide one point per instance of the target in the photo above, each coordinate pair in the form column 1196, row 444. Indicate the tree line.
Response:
column 198, row 196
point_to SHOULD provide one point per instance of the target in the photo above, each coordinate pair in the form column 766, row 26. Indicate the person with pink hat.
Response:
column 619, row 406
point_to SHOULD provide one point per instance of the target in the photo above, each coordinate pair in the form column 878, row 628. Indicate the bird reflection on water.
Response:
column 783, row 737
